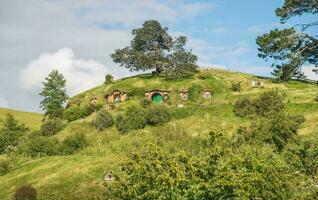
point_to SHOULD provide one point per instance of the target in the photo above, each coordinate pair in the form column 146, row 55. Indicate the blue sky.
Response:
column 77, row 37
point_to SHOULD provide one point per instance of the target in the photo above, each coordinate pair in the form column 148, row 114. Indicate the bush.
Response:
column 40, row 146
column 179, row 113
column 121, row 124
column 135, row 116
column 58, row 113
column 243, row 107
column 269, row 102
column 73, row 143
column 157, row 114
column 236, row 87
column 26, row 192
column 73, row 113
column 4, row 167
column 194, row 92
column 103, row 120
column 51, row 127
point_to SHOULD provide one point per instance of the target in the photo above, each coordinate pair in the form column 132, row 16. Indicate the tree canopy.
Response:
column 54, row 93
column 291, row 48
column 153, row 48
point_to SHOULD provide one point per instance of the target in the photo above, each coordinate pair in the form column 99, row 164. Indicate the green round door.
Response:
column 157, row 98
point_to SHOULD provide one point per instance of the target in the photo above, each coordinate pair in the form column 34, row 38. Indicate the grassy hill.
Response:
column 80, row 176
column 32, row 120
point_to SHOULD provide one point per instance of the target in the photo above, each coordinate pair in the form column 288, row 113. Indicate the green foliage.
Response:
column 269, row 102
column 153, row 48
column 73, row 143
column 25, row 192
column 289, row 48
column 108, row 79
column 154, row 174
column 279, row 129
column 39, row 146
column 179, row 113
column 4, row 166
column 122, row 124
column 195, row 91
column 266, row 104
column 302, row 155
column 103, row 120
column 11, row 133
column 51, row 127
column 73, row 113
column 236, row 87
column 243, row 107
column 54, row 93
column 251, row 172
column 157, row 115
column 58, row 113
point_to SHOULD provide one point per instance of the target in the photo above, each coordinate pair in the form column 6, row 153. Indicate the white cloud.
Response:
column 307, row 69
column 219, row 30
column 80, row 74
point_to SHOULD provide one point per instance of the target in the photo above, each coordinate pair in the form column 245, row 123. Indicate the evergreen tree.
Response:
column 54, row 93
column 291, row 48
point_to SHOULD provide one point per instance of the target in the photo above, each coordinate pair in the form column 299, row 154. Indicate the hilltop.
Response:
column 80, row 176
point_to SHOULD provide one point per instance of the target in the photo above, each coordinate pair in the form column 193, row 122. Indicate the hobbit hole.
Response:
column 157, row 96
column 116, row 96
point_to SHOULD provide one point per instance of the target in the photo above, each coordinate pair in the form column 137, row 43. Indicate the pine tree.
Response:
column 54, row 93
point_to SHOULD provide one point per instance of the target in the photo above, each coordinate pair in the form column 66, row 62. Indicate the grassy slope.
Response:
column 32, row 120
column 80, row 176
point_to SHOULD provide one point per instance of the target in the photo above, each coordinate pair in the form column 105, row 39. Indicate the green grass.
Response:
column 32, row 120
column 80, row 176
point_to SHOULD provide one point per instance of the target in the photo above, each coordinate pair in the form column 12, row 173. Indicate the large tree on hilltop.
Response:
column 290, row 48
column 54, row 93
column 153, row 48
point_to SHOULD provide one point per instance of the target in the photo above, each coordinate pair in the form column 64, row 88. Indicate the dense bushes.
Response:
column 134, row 118
column 121, row 124
column 51, row 127
column 11, row 133
column 194, row 92
column 103, row 120
column 40, row 146
column 25, row 192
column 243, row 107
column 267, row 103
column 73, row 113
column 73, row 143
column 157, row 114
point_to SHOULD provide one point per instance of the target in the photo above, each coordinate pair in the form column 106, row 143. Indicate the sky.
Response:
column 77, row 37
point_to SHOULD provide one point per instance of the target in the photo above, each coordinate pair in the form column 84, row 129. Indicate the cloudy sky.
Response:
column 77, row 36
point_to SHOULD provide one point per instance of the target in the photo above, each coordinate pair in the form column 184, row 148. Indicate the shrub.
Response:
column 194, row 92
column 243, row 107
column 73, row 113
column 268, row 102
column 236, row 87
column 58, row 113
column 108, row 79
column 25, row 192
column 51, row 127
column 103, row 120
column 135, row 116
column 40, row 146
column 4, row 167
column 121, row 124
column 157, row 114
column 179, row 113
column 73, row 143
column 11, row 132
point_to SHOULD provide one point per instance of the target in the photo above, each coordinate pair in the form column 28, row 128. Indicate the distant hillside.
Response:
column 32, row 120
column 80, row 176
